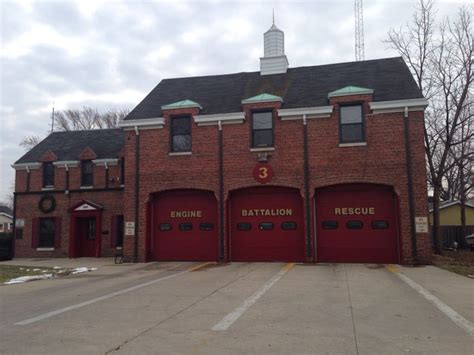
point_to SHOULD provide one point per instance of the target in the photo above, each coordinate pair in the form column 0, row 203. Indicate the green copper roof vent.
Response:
column 350, row 90
column 262, row 98
column 181, row 104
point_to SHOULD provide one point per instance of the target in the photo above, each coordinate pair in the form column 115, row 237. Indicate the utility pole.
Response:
column 359, row 30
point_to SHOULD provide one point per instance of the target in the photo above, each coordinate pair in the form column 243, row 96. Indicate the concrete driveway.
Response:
column 241, row 308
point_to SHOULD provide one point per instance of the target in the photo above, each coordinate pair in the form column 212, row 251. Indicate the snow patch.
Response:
column 23, row 279
column 82, row 269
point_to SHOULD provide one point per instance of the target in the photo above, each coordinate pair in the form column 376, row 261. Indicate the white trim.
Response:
column 156, row 122
column 399, row 105
column 358, row 92
column 86, row 187
column 257, row 101
column 6, row 215
column 452, row 203
column 355, row 144
column 100, row 162
column 224, row 118
column 47, row 188
column 179, row 153
column 267, row 149
column 44, row 249
column 310, row 112
column 26, row 166
column 66, row 163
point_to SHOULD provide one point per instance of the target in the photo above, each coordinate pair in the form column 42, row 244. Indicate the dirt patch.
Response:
column 461, row 262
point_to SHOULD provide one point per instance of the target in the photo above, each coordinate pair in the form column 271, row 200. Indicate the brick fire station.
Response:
column 311, row 164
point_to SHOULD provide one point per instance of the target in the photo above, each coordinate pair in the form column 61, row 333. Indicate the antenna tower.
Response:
column 359, row 30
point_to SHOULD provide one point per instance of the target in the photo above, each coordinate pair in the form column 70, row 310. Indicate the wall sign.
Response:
column 262, row 173
column 421, row 224
column 129, row 228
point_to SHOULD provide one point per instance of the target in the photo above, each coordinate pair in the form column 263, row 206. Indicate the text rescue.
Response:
column 346, row 211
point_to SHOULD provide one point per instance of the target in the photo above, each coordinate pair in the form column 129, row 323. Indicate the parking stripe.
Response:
column 104, row 297
column 229, row 319
column 443, row 307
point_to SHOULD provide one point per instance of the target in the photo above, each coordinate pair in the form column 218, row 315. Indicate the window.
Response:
column 266, row 226
column 2, row 228
column 262, row 129
column 351, row 127
column 47, row 229
column 206, row 226
column 165, row 227
column 90, row 229
column 244, row 226
column 48, row 174
column 181, row 134
column 354, row 225
column 288, row 226
column 186, row 227
column 329, row 225
column 87, row 170
column 379, row 224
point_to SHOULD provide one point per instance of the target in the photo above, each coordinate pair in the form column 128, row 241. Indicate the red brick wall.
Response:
column 381, row 161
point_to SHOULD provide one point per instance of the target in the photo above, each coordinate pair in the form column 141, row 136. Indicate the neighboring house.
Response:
column 302, row 164
column 6, row 219
column 450, row 213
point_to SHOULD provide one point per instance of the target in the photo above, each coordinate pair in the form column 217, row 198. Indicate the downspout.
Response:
column 411, row 203
column 306, row 188
column 27, row 178
column 221, row 193
column 106, row 175
column 137, row 191
column 67, row 179
column 13, row 241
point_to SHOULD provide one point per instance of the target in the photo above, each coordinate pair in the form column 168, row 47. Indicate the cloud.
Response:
column 111, row 54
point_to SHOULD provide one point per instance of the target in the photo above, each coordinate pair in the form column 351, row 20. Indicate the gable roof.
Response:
column 300, row 87
column 6, row 211
column 181, row 104
column 106, row 143
column 446, row 204
column 350, row 90
column 262, row 98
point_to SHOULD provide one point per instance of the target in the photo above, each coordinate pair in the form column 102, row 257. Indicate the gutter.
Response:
column 411, row 202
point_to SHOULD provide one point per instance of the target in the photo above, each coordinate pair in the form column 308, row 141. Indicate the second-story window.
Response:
column 87, row 173
column 262, row 129
column 351, row 127
column 48, row 174
column 181, row 134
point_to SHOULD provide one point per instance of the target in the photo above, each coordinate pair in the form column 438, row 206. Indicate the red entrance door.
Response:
column 185, row 226
column 356, row 223
column 267, row 224
column 86, row 236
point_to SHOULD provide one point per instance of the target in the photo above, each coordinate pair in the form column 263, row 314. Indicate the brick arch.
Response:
column 335, row 182
column 244, row 186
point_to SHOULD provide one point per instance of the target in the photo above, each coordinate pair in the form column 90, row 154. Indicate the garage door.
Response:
column 185, row 226
column 266, row 225
column 356, row 223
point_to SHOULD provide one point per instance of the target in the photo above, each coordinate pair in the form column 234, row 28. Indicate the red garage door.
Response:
column 356, row 223
column 185, row 226
column 267, row 224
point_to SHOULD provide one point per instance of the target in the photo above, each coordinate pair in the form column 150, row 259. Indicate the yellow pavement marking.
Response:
column 391, row 268
column 200, row 266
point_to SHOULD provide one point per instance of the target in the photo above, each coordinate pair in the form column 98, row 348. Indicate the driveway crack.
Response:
column 352, row 311
column 117, row 348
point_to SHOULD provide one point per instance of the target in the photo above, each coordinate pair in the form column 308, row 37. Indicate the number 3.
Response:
column 263, row 173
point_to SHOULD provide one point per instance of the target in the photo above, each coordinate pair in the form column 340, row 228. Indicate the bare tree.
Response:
column 79, row 120
column 440, row 58
column 29, row 142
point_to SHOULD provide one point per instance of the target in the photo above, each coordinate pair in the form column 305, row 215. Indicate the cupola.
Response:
column 274, row 60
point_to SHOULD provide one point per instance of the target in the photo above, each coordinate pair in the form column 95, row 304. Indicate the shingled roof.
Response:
column 106, row 143
column 300, row 87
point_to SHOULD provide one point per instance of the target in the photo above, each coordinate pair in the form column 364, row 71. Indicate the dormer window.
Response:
column 262, row 129
column 180, row 134
column 87, row 173
column 48, row 174
column 351, row 124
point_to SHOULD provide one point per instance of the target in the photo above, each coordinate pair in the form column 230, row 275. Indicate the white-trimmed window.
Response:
column 351, row 124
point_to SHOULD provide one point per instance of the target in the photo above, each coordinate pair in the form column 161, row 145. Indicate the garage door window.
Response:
column 266, row 226
column 354, row 225
column 165, row 227
column 186, row 227
column 379, row 225
column 288, row 226
column 206, row 226
column 243, row 226
column 329, row 224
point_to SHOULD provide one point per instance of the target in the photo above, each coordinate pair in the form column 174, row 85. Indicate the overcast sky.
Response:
column 109, row 55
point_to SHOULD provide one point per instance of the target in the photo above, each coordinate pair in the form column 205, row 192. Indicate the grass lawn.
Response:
column 461, row 262
column 8, row 272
